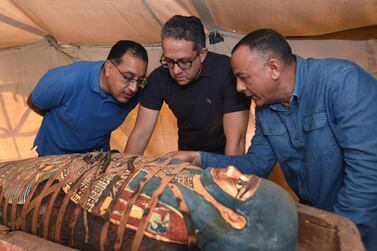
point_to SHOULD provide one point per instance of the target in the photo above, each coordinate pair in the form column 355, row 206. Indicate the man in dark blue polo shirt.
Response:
column 82, row 103
column 199, row 88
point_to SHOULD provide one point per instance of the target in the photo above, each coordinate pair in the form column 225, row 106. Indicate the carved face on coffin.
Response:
column 243, row 212
column 234, row 183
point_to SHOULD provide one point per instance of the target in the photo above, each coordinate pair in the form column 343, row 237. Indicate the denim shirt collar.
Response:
column 301, row 65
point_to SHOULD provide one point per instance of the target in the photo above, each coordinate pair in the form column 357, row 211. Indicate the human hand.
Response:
column 186, row 156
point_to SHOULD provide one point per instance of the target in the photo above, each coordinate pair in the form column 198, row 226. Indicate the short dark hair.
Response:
column 122, row 47
column 268, row 41
column 187, row 28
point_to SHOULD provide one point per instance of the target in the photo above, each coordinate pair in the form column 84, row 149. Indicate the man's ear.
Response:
column 106, row 68
column 203, row 54
column 274, row 66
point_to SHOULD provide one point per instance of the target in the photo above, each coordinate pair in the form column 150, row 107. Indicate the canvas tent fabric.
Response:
column 97, row 22
column 38, row 35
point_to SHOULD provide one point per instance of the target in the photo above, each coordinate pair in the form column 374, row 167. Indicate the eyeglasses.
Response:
column 183, row 64
column 129, row 79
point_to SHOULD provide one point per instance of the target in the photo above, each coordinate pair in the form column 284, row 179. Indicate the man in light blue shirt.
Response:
column 318, row 118
column 82, row 103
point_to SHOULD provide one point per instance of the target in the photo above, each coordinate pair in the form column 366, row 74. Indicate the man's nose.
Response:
column 133, row 86
column 176, row 69
column 240, row 86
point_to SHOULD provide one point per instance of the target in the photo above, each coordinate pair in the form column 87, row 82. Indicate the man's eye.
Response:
column 128, row 78
column 178, row 62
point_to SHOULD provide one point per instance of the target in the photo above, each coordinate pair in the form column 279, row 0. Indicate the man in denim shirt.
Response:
column 318, row 119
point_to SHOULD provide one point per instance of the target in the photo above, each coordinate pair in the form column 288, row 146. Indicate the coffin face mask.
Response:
column 254, row 213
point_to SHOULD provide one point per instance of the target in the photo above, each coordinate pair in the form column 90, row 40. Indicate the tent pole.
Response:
column 22, row 26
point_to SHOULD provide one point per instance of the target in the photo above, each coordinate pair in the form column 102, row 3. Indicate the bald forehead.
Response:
column 244, row 57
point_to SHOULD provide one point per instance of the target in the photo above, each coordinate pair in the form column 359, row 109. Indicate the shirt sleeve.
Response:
column 52, row 90
column 355, row 109
column 152, row 95
column 259, row 159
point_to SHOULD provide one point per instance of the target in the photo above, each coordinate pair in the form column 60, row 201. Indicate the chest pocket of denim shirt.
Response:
column 315, row 121
column 318, row 134
column 278, row 137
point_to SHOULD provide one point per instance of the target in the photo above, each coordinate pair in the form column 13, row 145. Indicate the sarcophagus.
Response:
column 113, row 201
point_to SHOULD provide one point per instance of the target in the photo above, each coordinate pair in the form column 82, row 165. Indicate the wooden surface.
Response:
column 321, row 230
column 22, row 241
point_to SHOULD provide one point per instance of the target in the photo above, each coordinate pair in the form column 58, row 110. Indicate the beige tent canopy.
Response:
column 37, row 35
